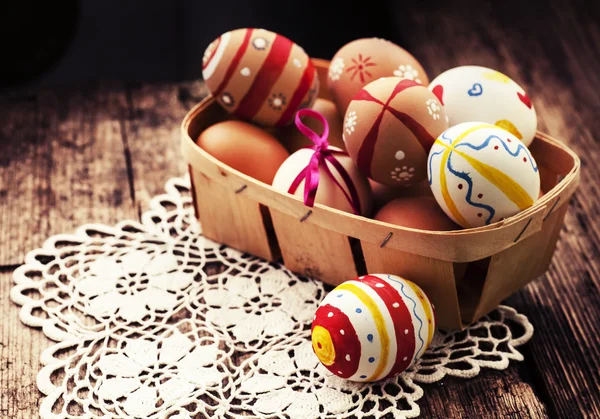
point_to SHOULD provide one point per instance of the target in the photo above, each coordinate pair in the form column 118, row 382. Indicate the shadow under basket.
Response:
column 466, row 273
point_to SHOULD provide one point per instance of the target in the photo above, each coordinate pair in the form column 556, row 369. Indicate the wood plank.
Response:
column 313, row 251
column 20, row 350
column 232, row 219
column 507, row 395
column 563, row 306
column 155, row 113
column 62, row 165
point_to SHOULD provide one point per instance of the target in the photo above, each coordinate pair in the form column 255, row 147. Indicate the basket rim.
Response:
column 541, row 209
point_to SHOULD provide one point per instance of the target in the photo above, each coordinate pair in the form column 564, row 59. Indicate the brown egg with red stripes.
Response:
column 372, row 327
column 389, row 128
column 259, row 76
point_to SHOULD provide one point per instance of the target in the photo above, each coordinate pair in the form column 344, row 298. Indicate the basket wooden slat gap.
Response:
column 358, row 256
column 232, row 218
column 469, row 285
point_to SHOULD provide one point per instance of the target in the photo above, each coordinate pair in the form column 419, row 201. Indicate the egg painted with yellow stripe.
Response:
column 372, row 327
column 481, row 174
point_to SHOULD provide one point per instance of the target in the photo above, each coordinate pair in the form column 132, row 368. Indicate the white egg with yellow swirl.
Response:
column 480, row 174
column 475, row 93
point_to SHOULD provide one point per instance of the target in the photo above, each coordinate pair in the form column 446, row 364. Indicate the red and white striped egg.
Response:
column 373, row 327
column 260, row 76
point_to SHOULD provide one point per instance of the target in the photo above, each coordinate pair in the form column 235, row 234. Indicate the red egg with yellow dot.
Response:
column 372, row 327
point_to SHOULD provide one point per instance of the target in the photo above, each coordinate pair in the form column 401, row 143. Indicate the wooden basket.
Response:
column 466, row 273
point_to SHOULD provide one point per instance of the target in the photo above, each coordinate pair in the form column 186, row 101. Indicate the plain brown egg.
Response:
column 418, row 189
column 382, row 194
column 420, row 212
column 294, row 140
column 244, row 147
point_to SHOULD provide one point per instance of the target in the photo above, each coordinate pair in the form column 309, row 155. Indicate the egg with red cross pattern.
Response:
column 389, row 128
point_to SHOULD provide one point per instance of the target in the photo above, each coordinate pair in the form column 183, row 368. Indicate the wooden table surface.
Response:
column 98, row 153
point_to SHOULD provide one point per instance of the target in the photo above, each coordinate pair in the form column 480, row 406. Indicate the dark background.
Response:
column 53, row 43
column 72, row 41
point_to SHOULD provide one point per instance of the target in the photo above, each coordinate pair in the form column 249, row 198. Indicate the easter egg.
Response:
column 329, row 192
column 365, row 60
column 480, row 174
column 418, row 189
column 372, row 327
column 419, row 212
column 389, row 127
column 474, row 93
column 383, row 194
column 293, row 140
column 245, row 148
column 259, row 75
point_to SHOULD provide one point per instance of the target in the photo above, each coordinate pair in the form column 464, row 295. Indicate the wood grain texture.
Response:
column 231, row 218
column 313, row 251
column 97, row 154
column 62, row 165
column 495, row 394
column 152, row 132
column 20, row 351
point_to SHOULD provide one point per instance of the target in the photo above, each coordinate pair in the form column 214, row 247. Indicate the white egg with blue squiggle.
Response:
column 481, row 174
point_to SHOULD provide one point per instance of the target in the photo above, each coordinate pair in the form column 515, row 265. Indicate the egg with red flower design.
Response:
column 372, row 327
column 365, row 60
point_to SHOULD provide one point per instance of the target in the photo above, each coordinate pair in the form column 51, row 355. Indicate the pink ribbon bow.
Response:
column 322, row 155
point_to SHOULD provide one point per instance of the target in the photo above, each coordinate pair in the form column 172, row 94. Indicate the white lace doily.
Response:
column 153, row 320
